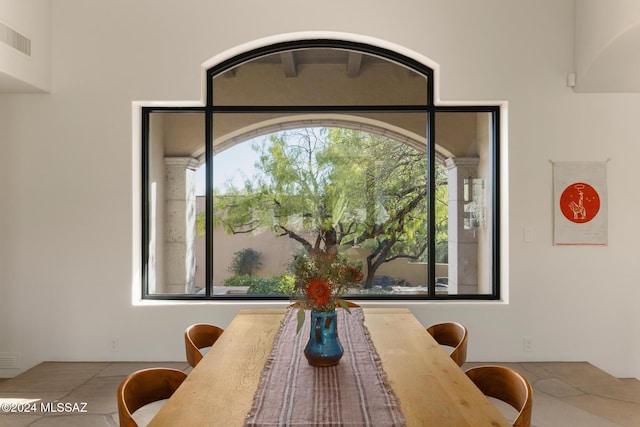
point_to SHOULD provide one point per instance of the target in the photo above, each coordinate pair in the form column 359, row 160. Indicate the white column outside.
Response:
column 463, row 240
column 180, row 224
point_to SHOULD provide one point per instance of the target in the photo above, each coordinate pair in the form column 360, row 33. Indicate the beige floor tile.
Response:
column 535, row 371
column 30, row 396
column 580, row 374
column 557, row 388
column 551, row 412
column 99, row 394
column 627, row 391
column 74, row 421
column 624, row 413
column 17, row 420
column 53, row 376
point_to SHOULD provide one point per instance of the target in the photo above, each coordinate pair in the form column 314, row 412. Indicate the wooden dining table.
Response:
column 431, row 388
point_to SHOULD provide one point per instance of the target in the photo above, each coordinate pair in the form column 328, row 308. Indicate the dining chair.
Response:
column 452, row 334
column 144, row 387
column 507, row 385
column 197, row 337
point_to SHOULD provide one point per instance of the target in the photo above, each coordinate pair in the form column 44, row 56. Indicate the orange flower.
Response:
column 318, row 291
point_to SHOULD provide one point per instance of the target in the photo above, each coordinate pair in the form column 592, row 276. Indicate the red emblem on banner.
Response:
column 579, row 202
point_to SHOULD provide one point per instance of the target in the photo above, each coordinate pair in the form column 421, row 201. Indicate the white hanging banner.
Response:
column 580, row 203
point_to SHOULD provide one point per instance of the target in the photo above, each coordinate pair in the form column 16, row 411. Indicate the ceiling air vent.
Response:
column 15, row 39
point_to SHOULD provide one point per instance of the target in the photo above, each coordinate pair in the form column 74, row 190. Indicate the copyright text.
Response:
column 42, row 407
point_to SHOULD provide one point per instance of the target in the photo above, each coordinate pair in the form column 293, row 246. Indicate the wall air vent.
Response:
column 15, row 39
column 9, row 360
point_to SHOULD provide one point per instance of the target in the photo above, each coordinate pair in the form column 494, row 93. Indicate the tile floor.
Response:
column 565, row 394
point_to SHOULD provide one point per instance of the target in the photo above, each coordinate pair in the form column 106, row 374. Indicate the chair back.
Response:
column 507, row 385
column 197, row 336
column 143, row 387
column 452, row 334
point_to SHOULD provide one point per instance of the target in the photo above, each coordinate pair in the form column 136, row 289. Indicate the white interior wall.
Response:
column 68, row 188
column 20, row 72
column 607, row 36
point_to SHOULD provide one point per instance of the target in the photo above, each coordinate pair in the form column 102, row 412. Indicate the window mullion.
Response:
column 208, row 141
column 431, row 210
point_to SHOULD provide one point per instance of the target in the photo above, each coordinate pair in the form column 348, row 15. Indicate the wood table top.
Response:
column 432, row 389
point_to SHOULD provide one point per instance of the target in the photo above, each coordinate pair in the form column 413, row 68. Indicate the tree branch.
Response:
column 293, row 235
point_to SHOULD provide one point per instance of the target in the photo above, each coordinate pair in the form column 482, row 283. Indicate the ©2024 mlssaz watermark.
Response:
column 42, row 407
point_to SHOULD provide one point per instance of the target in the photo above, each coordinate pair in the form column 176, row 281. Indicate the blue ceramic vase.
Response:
column 323, row 347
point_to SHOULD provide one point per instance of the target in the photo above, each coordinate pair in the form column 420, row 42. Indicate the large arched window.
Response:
column 313, row 144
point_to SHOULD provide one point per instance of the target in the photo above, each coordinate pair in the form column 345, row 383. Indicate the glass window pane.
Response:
column 175, row 243
column 299, row 184
column 464, row 190
column 319, row 76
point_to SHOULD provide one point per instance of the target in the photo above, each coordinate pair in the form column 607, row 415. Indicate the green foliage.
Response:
column 281, row 284
column 362, row 188
column 442, row 215
column 245, row 262
column 286, row 283
column 200, row 224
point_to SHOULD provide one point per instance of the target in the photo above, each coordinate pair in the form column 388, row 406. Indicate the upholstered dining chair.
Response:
column 144, row 387
column 507, row 385
column 452, row 334
column 197, row 337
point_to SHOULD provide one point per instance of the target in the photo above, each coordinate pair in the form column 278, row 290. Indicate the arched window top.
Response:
column 320, row 72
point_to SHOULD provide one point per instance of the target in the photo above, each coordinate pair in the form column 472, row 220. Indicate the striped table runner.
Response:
column 353, row 393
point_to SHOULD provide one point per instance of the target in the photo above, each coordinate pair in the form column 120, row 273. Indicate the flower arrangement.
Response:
column 320, row 281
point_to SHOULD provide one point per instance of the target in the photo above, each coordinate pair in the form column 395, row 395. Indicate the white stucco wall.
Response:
column 20, row 72
column 69, row 171
column 607, row 35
